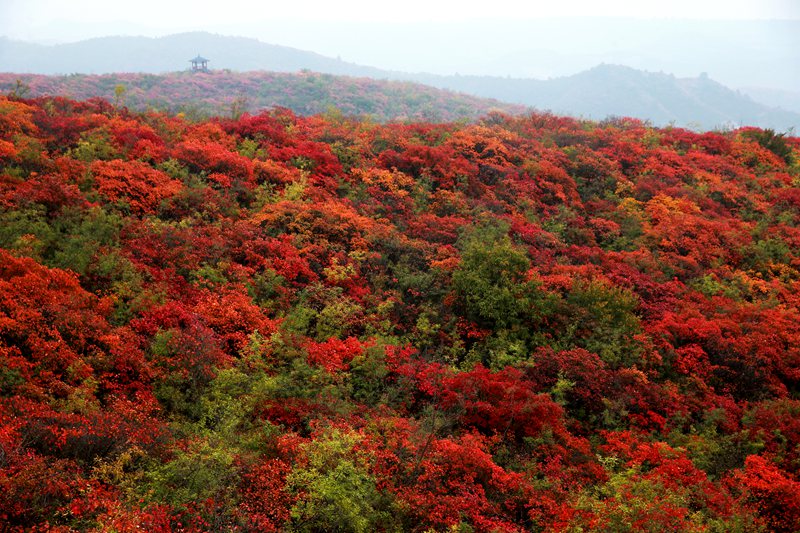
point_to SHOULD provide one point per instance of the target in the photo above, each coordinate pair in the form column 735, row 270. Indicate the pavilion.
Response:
column 199, row 64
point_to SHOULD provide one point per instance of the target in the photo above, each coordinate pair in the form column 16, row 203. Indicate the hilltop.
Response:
column 231, row 93
column 106, row 55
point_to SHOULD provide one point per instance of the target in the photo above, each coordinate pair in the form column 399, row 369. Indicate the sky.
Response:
column 65, row 20
column 517, row 38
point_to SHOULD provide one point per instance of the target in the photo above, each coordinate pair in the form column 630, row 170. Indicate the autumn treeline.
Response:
column 197, row 96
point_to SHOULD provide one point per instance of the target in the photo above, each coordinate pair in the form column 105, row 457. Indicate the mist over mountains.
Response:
column 167, row 54
column 737, row 53
column 613, row 90
column 599, row 92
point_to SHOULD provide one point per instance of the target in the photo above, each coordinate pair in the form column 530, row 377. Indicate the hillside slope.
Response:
column 285, row 323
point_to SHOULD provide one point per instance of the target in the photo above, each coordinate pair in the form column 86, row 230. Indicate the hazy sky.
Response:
column 75, row 19
column 499, row 37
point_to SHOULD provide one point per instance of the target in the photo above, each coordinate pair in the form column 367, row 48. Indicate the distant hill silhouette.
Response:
column 606, row 90
column 613, row 90
column 788, row 100
column 167, row 54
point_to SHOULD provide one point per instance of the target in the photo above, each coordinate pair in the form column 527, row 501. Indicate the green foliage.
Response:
column 72, row 240
column 347, row 155
column 630, row 217
column 426, row 330
column 117, row 275
column 305, row 164
column 772, row 141
column 708, row 285
column 187, row 374
column 94, row 145
column 296, row 378
column 200, row 472
column 27, row 231
column 223, row 406
column 82, row 236
column 238, row 107
column 561, row 389
column 337, row 492
column 300, row 319
column 20, row 89
column 503, row 348
column 208, row 276
column 264, row 287
column 494, row 285
column 497, row 291
column 120, row 90
column 601, row 318
column 564, row 226
column 634, row 501
column 295, row 190
column 10, row 378
column 367, row 378
column 765, row 252
column 337, row 319
column 251, row 149
column 174, row 169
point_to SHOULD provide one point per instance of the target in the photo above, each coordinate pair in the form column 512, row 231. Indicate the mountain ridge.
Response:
column 596, row 93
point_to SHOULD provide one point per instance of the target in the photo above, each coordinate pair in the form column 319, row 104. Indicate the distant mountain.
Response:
column 606, row 90
column 200, row 94
column 788, row 100
column 166, row 54
column 613, row 90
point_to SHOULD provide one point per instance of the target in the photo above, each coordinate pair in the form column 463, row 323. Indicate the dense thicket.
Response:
column 284, row 323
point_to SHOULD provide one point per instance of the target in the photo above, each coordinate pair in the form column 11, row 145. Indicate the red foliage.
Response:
column 265, row 501
column 777, row 425
column 233, row 317
column 502, row 403
column 52, row 332
column 775, row 496
column 457, row 480
column 134, row 182
column 334, row 355
column 215, row 158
